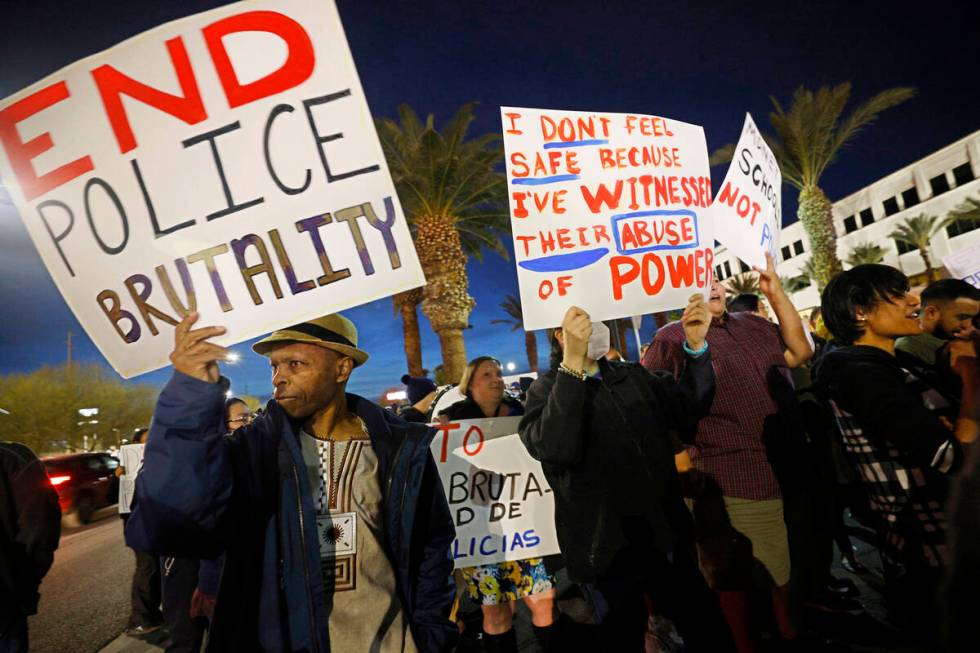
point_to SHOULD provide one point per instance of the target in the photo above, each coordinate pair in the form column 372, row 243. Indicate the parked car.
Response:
column 85, row 482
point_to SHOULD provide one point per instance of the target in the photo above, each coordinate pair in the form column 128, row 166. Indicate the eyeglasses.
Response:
column 244, row 419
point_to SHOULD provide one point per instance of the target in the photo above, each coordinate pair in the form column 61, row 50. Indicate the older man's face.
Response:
column 307, row 377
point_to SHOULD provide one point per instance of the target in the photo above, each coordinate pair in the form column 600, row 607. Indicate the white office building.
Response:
column 934, row 185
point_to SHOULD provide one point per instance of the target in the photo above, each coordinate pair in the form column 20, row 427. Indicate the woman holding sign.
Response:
column 603, row 431
column 499, row 586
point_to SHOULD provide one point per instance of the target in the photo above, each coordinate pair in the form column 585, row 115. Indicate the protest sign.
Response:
column 225, row 163
column 131, row 459
column 609, row 212
column 500, row 502
column 747, row 212
column 965, row 265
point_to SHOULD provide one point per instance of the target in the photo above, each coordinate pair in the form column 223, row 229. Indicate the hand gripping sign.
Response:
column 609, row 212
column 748, row 210
column 225, row 163
column 501, row 503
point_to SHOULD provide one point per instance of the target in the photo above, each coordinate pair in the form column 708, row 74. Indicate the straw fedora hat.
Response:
column 333, row 331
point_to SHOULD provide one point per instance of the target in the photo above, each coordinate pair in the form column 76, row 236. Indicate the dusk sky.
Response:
column 705, row 63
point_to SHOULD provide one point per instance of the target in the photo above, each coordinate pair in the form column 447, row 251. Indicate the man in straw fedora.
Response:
column 330, row 510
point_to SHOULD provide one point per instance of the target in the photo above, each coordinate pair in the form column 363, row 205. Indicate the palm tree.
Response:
column 745, row 283
column 968, row 211
column 917, row 232
column 405, row 304
column 807, row 139
column 809, row 270
column 863, row 253
column 512, row 306
column 795, row 284
column 455, row 203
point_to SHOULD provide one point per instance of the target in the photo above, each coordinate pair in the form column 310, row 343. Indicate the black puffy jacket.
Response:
column 606, row 447
column 30, row 526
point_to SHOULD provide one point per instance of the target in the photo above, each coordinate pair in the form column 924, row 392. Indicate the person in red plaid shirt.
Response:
column 729, row 452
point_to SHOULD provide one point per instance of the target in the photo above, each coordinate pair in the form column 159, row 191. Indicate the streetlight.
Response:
column 511, row 366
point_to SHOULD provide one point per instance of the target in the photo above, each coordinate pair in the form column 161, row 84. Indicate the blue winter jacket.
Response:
column 201, row 493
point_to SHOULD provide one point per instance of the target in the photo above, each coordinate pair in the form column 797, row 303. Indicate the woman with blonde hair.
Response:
column 498, row 587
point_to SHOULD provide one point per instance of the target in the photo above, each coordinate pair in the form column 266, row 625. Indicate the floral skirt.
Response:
column 504, row 582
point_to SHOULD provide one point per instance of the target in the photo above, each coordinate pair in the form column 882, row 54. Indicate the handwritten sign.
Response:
column 501, row 503
column 965, row 265
column 609, row 212
column 748, row 209
column 225, row 163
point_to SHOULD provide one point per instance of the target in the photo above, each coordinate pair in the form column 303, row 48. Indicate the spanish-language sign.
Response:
column 748, row 209
column 965, row 264
column 225, row 163
column 609, row 211
column 501, row 503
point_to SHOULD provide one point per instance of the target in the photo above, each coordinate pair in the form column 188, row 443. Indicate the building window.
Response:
column 728, row 269
column 963, row 174
column 718, row 272
column 867, row 217
column 787, row 255
column 891, row 206
column 910, row 197
column 962, row 226
column 850, row 224
column 905, row 248
column 743, row 267
column 798, row 247
column 939, row 184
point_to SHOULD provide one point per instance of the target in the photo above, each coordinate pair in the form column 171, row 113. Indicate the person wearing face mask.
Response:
column 902, row 436
column 604, row 433
column 498, row 587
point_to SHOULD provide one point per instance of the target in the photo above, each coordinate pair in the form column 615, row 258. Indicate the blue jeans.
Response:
column 13, row 635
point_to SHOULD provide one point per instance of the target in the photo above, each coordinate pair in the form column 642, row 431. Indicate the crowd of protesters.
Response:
column 687, row 486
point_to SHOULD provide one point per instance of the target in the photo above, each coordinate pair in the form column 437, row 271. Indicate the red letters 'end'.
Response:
column 20, row 153
column 112, row 84
column 297, row 68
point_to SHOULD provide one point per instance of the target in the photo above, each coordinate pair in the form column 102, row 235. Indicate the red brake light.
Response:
column 58, row 480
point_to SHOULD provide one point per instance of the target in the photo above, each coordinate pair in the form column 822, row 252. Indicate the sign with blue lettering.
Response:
column 502, row 506
column 965, row 264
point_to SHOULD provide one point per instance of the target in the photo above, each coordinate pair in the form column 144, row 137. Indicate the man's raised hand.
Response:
column 696, row 321
column 576, row 330
column 193, row 355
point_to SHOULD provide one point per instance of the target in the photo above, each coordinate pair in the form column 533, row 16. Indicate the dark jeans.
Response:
column 676, row 590
column 179, row 581
column 144, row 595
column 13, row 634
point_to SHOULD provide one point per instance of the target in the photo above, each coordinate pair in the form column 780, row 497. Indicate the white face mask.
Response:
column 598, row 341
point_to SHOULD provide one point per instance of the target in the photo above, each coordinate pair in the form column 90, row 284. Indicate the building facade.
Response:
column 934, row 185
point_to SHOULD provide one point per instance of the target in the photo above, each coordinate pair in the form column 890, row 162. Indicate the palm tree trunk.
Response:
column 406, row 302
column 818, row 221
column 531, row 346
column 445, row 300
column 931, row 273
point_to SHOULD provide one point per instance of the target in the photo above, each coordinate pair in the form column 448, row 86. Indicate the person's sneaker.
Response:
column 853, row 565
column 141, row 630
column 843, row 587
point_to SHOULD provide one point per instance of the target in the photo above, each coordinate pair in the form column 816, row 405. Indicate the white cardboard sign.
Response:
column 748, row 209
column 609, row 212
column 226, row 163
column 965, row 265
column 501, row 504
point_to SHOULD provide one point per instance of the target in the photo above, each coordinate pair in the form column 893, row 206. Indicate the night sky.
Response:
column 705, row 63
